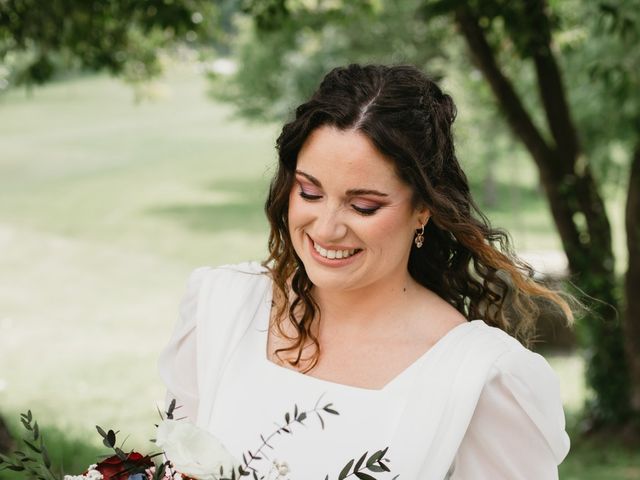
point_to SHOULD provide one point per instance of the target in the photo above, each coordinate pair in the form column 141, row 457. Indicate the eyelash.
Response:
column 361, row 211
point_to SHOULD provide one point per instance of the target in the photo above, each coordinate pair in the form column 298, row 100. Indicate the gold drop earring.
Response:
column 419, row 238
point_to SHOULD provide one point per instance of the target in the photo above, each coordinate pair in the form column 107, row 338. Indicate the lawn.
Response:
column 107, row 205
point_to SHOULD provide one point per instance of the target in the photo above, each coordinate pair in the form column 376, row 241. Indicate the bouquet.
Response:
column 187, row 452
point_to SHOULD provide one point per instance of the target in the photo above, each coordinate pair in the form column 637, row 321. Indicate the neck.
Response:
column 368, row 307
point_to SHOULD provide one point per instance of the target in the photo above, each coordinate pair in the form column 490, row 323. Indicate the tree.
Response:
column 567, row 176
column 37, row 39
column 515, row 46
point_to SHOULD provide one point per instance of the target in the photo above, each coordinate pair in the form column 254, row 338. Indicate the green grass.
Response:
column 106, row 206
column 601, row 460
column 116, row 173
column 70, row 454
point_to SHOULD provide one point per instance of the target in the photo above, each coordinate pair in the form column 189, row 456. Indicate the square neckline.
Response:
column 263, row 328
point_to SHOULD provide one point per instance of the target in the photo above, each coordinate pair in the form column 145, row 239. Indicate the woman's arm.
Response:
column 517, row 431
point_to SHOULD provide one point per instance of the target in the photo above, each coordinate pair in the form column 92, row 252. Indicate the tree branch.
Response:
column 552, row 172
column 556, row 108
column 551, row 87
column 517, row 117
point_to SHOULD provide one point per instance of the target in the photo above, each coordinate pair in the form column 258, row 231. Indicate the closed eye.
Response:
column 365, row 211
column 308, row 196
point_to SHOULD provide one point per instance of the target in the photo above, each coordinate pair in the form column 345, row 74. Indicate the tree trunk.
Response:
column 577, row 209
column 632, row 279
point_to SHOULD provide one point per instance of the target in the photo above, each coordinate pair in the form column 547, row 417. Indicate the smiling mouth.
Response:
column 335, row 254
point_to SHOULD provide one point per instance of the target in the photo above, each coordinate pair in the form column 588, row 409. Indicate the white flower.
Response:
column 193, row 451
column 92, row 474
column 282, row 468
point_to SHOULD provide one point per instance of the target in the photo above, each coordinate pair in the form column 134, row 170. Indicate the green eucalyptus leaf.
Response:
column 45, row 457
column 111, row 438
column 121, row 455
column 32, row 446
column 360, row 461
column 374, row 458
column 345, row 470
column 321, row 420
column 171, row 408
column 364, row 476
column 327, row 408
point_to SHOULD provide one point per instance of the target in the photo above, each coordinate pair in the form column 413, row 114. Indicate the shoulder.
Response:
column 226, row 290
column 228, row 274
column 526, row 373
column 523, row 383
column 227, row 286
column 514, row 360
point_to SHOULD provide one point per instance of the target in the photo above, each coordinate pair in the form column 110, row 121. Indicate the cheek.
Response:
column 297, row 212
column 395, row 222
column 392, row 231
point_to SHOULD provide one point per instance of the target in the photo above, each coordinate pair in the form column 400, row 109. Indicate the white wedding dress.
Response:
column 476, row 406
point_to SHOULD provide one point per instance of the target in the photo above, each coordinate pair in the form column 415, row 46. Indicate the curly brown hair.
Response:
column 468, row 263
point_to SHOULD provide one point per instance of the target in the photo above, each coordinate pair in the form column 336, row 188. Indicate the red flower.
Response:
column 114, row 468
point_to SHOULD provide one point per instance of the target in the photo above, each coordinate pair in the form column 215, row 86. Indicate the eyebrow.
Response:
column 350, row 192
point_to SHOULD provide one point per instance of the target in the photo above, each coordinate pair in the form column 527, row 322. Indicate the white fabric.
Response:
column 476, row 406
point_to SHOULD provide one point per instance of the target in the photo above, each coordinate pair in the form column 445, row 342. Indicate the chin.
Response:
column 331, row 280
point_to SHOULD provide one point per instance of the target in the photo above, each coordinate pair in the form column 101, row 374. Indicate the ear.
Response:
column 422, row 216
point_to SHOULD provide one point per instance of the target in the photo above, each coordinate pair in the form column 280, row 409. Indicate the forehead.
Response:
column 347, row 157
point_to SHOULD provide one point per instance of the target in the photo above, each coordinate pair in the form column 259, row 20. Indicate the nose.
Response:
column 330, row 225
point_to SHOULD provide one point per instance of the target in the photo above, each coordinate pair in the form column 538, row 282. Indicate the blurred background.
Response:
column 137, row 143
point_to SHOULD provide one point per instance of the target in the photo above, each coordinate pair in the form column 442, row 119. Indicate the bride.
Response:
column 380, row 338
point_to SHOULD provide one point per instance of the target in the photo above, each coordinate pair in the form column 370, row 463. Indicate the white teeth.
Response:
column 333, row 254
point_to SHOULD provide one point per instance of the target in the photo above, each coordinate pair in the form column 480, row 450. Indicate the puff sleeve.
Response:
column 517, row 431
column 177, row 363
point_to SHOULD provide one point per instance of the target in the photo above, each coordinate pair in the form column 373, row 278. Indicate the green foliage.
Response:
column 33, row 461
column 278, row 67
column 599, row 46
column 599, row 457
column 374, row 463
column 39, row 38
column 67, row 453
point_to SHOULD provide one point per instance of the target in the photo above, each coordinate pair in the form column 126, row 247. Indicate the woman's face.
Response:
column 350, row 216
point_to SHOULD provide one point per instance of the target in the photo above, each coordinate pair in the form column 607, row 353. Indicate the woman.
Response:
column 378, row 337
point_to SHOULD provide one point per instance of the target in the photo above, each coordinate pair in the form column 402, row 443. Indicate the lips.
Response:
column 331, row 254
column 334, row 255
